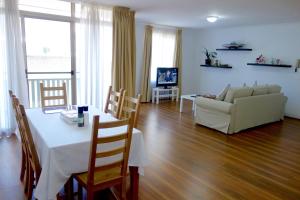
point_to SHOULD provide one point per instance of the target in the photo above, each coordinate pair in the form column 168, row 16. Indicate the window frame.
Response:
column 73, row 20
column 52, row 17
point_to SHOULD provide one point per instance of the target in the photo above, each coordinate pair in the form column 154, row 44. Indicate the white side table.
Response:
column 191, row 97
column 158, row 93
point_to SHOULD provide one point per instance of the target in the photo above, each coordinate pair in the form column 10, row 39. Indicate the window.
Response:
column 55, row 45
column 163, row 48
column 47, row 50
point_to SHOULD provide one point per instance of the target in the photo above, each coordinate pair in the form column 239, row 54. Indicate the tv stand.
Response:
column 158, row 93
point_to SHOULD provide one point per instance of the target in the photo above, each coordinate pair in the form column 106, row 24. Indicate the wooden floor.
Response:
column 188, row 161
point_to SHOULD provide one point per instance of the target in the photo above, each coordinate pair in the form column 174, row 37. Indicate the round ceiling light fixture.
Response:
column 212, row 19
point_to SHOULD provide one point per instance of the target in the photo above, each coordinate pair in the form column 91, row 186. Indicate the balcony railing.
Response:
column 34, row 89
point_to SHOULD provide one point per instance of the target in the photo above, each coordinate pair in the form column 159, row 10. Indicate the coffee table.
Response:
column 192, row 97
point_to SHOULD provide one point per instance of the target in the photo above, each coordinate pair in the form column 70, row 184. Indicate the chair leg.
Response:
column 90, row 195
column 30, row 183
column 23, row 166
column 79, row 192
column 123, row 190
column 26, row 177
column 68, row 187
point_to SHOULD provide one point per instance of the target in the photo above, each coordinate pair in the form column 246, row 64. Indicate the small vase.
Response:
column 208, row 61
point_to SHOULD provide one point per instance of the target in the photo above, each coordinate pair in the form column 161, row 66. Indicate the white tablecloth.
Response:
column 64, row 149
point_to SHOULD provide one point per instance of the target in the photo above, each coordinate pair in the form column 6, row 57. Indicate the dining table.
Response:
column 64, row 149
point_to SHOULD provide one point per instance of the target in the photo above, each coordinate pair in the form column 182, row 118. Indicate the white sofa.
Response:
column 242, row 108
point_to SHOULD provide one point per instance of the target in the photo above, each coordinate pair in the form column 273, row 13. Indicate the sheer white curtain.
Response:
column 12, row 65
column 163, row 47
column 94, row 54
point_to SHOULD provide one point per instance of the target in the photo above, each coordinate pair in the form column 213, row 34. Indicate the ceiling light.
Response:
column 212, row 19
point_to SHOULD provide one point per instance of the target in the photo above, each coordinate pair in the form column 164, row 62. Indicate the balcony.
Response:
column 35, row 79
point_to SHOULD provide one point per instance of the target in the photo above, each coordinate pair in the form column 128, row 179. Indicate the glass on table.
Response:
column 71, row 107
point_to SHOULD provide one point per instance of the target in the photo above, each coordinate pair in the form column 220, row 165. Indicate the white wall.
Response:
column 278, row 41
column 189, row 54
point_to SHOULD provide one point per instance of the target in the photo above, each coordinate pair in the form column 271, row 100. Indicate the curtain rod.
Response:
column 159, row 25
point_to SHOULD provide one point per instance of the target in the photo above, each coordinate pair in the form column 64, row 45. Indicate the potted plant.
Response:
column 209, row 56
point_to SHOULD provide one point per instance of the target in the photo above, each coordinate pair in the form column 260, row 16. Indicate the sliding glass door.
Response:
column 48, row 51
column 58, row 49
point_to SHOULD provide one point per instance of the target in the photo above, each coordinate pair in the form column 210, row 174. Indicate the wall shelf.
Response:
column 214, row 66
column 270, row 65
column 238, row 49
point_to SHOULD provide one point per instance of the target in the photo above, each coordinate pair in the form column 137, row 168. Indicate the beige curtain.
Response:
column 146, row 79
column 178, row 55
column 123, row 63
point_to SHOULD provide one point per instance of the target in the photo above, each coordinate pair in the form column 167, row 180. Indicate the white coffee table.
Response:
column 190, row 97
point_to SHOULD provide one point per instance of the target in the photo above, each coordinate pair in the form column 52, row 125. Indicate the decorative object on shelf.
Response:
column 298, row 65
column 217, row 62
column 269, row 65
column 209, row 56
column 273, row 61
column 219, row 66
column 233, row 45
column 261, row 59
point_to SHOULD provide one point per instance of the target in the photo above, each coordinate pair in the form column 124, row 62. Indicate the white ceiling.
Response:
column 192, row 13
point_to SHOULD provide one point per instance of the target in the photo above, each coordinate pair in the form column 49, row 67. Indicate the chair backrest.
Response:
column 10, row 93
column 32, row 153
column 114, row 102
column 120, row 165
column 53, row 96
column 131, row 104
column 15, row 104
column 18, row 115
column 14, row 100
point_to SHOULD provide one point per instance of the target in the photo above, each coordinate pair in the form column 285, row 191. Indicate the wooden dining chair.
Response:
column 24, row 159
column 131, row 104
column 114, row 102
column 10, row 92
column 109, row 175
column 33, row 165
column 59, row 97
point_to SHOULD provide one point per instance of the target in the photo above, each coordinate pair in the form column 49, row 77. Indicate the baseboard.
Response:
column 292, row 116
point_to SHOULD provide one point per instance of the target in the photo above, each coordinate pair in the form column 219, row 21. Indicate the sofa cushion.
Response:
column 222, row 96
column 234, row 93
column 274, row 89
column 260, row 90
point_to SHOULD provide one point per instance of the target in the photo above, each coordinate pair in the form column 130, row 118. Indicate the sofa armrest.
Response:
column 213, row 104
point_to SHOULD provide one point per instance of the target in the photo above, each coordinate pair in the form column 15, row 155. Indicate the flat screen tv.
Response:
column 166, row 77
